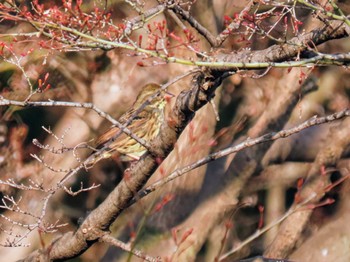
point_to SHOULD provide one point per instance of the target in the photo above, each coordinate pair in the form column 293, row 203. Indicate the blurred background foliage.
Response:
column 111, row 80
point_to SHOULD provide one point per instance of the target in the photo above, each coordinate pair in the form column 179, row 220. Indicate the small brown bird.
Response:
column 146, row 125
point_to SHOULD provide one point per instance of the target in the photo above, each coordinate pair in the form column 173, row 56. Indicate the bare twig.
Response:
column 82, row 189
column 266, row 228
column 127, row 247
column 247, row 143
column 6, row 102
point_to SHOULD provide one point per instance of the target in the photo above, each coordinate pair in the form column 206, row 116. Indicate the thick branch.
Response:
column 203, row 87
column 277, row 53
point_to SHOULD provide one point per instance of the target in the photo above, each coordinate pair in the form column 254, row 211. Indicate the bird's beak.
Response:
column 168, row 95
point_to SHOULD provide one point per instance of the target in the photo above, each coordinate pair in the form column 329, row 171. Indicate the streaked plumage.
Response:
column 145, row 125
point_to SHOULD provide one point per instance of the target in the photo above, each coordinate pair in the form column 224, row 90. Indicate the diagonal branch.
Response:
column 203, row 88
column 245, row 144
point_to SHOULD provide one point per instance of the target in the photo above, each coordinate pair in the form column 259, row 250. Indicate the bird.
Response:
column 145, row 118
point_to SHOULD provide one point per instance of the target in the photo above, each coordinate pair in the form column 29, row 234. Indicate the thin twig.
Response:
column 247, row 143
column 261, row 231
column 127, row 247
column 51, row 103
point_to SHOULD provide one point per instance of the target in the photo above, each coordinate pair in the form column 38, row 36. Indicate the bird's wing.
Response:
column 101, row 140
column 135, row 127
